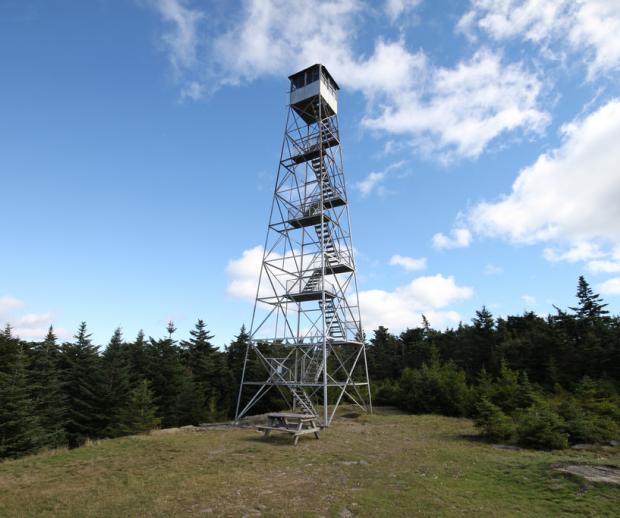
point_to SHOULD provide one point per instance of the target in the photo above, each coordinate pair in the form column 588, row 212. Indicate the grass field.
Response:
column 382, row 465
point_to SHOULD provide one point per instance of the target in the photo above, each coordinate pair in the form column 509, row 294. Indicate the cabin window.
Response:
column 297, row 82
column 312, row 75
column 305, row 78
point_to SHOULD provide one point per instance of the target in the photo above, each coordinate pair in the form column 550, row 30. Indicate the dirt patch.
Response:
column 593, row 473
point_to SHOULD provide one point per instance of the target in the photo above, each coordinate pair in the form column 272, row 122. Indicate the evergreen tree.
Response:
column 47, row 388
column 140, row 413
column 235, row 353
column 235, row 357
column 167, row 375
column 190, row 402
column 138, row 357
column 209, row 372
column 384, row 355
column 83, row 384
column 20, row 430
column 115, row 368
column 479, row 345
column 198, row 347
column 590, row 304
column 415, row 347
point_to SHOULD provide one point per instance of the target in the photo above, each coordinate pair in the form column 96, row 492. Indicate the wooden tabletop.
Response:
column 290, row 415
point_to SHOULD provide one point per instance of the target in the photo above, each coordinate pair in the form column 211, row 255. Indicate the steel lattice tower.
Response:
column 307, row 305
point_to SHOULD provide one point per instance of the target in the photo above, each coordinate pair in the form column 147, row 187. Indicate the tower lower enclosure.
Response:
column 306, row 337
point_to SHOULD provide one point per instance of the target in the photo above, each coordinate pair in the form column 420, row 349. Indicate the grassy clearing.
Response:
column 382, row 465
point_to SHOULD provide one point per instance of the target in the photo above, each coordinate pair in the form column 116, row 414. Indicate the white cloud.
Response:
column 193, row 90
column 493, row 269
column 371, row 183
column 375, row 180
column 396, row 309
column 396, row 8
column 244, row 273
column 32, row 319
column 529, row 300
column 404, row 306
column 598, row 28
column 182, row 38
column 579, row 252
column 31, row 326
column 34, row 326
column 603, row 266
column 569, row 196
column 8, row 303
column 590, row 27
column 453, row 112
column 461, row 110
column 610, row 287
column 461, row 238
column 408, row 263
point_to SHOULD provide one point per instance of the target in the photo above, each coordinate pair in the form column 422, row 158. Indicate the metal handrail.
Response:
column 312, row 142
column 294, row 286
column 312, row 204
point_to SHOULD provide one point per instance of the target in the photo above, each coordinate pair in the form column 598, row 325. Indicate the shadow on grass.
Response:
column 467, row 437
column 273, row 440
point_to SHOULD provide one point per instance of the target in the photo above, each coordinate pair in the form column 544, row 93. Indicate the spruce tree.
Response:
column 20, row 430
column 199, row 350
column 48, row 393
column 190, row 404
column 235, row 357
column 167, row 375
column 482, row 343
column 384, row 355
column 209, row 371
column 140, row 413
column 83, row 383
column 235, row 353
column 590, row 305
column 115, row 368
column 138, row 357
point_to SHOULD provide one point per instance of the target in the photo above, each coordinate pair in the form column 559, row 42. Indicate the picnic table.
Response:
column 291, row 423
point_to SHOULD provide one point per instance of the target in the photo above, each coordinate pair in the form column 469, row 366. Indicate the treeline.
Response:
column 54, row 395
column 542, row 382
column 539, row 382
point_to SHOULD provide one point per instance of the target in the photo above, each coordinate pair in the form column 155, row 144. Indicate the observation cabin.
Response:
column 308, row 87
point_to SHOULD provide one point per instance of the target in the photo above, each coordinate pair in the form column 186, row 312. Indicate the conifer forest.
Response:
column 540, row 382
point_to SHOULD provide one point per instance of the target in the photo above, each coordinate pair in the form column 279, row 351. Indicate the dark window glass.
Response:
column 297, row 82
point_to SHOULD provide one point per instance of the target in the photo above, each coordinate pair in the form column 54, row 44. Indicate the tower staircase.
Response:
column 334, row 326
column 322, row 177
column 301, row 399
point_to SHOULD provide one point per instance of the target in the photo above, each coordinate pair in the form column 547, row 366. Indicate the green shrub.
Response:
column 540, row 427
column 511, row 391
column 435, row 389
column 386, row 392
column 492, row 422
column 589, row 428
column 598, row 397
column 584, row 426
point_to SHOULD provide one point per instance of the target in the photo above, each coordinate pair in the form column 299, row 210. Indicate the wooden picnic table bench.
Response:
column 291, row 423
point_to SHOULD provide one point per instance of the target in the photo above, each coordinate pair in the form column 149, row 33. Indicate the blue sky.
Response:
column 140, row 139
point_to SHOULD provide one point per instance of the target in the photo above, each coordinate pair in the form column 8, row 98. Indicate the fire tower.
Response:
column 307, row 306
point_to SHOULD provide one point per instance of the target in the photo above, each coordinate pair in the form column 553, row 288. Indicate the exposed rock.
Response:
column 593, row 473
column 506, row 447
column 585, row 447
